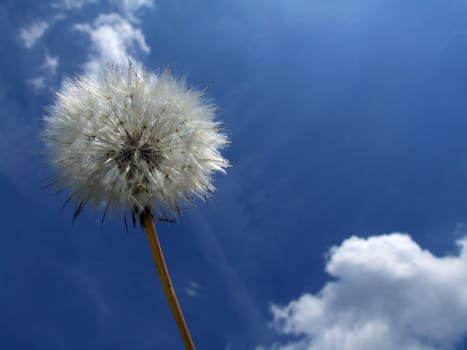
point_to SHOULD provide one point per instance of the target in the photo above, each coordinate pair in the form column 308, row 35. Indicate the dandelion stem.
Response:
column 165, row 279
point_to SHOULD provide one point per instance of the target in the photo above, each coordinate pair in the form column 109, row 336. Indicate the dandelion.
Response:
column 135, row 142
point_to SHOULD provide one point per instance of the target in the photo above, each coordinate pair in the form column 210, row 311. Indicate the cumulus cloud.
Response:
column 30, row 34
column 113, row 38
column 388, row 294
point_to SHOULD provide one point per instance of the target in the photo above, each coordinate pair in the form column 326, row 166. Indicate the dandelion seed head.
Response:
column 132, row 140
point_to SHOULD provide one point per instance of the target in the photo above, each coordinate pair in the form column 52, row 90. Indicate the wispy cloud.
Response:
column 72, row 4
column 127, row 6
column 113, row 38
column 240, row 300
column 130, row 8
column 389, row 294
column 46, row 73
column 193, row 289
column 37, row 82
column 30, row 34
column 50, row 64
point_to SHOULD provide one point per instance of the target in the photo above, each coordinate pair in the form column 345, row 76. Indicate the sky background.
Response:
column 342, row 223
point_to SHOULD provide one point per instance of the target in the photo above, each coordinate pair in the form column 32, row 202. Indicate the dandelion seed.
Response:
column 135, row 141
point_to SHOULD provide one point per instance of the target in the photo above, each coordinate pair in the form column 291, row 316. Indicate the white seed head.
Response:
column 133, row 140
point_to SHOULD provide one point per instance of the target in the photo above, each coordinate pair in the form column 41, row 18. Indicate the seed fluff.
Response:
column 133, row 140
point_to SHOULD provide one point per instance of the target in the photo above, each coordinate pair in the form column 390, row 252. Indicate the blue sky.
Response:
column 341, row 224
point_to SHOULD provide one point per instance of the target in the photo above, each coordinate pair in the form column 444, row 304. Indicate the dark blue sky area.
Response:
column 345, row 117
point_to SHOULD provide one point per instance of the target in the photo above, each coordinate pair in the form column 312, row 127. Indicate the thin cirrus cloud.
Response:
column 128, row 7
column 112, row 38
column 72, row 4
column 193, row 289
column 30, row 34
column 47, row 71
column 131, row 7
column 388, row 294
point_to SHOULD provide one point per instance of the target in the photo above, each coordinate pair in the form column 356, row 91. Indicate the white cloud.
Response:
column 113, row 38
column 38, row 82
column 127, row 6
column 131, row 7
column 193, row 289
column 30, row 34
column 47, row 71
column 388, row 294
column 72, row 4
column 50, row 64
